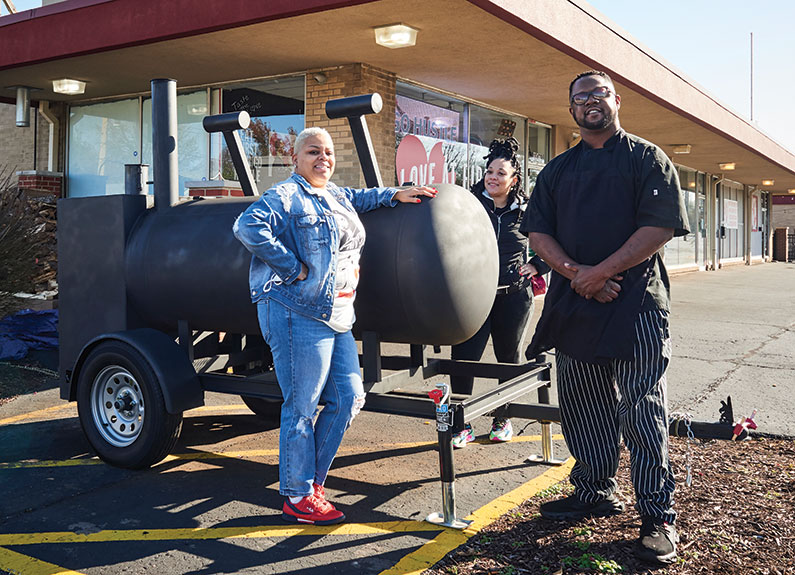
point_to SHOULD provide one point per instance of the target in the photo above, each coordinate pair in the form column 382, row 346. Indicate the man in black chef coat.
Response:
column 600, row 215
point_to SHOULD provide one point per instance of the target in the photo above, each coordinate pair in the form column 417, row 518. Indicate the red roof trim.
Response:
column 78, row 27
column 511, row 18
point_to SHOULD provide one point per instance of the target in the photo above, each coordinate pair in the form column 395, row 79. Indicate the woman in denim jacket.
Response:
column 306, row 238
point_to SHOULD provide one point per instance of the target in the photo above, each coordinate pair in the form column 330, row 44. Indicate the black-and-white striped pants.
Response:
column 600, row 404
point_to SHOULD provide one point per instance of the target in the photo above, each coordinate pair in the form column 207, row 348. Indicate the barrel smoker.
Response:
column 154, row 305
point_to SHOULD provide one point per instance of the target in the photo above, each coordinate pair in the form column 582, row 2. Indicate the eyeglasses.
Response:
column 598, row 94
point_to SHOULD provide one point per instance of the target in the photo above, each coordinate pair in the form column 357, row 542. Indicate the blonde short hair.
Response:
column 308, row 133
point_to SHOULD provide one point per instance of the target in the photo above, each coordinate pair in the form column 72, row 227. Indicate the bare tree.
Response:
column 20, row 244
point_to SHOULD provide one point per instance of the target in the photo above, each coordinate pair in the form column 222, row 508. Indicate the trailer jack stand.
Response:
column 441, row 397
column 547, row 451
column 547, row 454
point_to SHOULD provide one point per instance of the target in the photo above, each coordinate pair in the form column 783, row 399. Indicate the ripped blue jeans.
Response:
column 313, row 363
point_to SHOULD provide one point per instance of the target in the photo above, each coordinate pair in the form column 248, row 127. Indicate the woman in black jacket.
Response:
column 500, row 191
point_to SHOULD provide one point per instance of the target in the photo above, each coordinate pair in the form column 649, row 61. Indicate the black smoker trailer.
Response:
column 154, row 306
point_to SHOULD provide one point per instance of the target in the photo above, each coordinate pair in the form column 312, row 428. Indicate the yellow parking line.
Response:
column 412, row 564
column 418, row 561
column 252, row 532
column 39, row 413
column 245, row 454
column 14, row 562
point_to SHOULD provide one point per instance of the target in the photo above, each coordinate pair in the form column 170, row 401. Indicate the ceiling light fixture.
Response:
column 68, row 86
column 768, row 182
column 197, row 110
column 395, row 36
column 791, row 190
column 681, row 148
column 728, row 166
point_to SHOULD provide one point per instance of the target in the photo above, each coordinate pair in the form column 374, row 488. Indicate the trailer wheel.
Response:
column 265, row 408
column 121, row 407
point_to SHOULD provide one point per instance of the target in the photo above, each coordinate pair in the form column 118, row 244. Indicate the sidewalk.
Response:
column 733, row 334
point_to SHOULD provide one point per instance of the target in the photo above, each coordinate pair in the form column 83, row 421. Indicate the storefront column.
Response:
column 747, row 191
column 712, row 222
column 354, row 80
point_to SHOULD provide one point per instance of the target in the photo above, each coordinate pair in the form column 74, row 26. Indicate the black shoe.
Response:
column 572, row 508
column 657, row 541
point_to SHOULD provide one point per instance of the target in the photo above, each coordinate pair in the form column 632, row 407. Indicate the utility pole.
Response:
column 752, row 76
column 10, row 6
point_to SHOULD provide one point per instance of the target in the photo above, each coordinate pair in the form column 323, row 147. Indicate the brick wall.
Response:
column 355, row 80
column 783, row 212
column 214, row 188
column 16, row 144
column 780, row 245
column 41, row 181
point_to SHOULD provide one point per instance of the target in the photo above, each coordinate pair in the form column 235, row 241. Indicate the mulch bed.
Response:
column 737, row 517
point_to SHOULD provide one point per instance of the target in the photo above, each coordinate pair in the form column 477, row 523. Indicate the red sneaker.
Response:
column 311, row 510
column 319, row 491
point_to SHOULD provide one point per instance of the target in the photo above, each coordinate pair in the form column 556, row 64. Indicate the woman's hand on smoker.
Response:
column 412, row 195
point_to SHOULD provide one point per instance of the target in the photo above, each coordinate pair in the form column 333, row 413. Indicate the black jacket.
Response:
column 512, row 244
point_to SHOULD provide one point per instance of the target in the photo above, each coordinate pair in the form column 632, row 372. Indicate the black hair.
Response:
column 507, row 149
column 590, row 73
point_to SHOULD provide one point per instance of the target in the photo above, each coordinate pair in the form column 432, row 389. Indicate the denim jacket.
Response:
column 290, row 224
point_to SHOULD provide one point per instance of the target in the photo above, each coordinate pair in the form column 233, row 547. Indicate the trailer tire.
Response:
column 122, row 409
column 264, row 408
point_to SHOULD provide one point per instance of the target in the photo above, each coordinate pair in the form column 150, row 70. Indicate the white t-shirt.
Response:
column 351, row 240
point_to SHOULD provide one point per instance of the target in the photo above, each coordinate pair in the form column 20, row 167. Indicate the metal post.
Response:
column 547, row 449
column 365, row 151
column 229, row 124
column 165, row 165
column 135, row 177
column 444, row 430
column 354, row 108
column 371, row 357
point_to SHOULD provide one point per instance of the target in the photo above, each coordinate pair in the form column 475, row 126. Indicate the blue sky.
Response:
column 709, row 40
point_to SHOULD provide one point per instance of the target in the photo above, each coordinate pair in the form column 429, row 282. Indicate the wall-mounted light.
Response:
column 197, row 110
column 68, row 86
column 791, row 190
column 728, row 166
column 395, row 36
column 320, row 77
column 680, row 148
column 768, row 182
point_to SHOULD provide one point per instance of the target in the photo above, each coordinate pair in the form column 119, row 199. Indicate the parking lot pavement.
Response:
column 734, row 335
column 213, row 505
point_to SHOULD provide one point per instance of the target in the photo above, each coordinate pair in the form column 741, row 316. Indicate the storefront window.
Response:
column 486, row 125
column 731, row 223
column 681, row 251
column 192, row 140
column 699, row 225
column 430, row 138
column 441, row 139
column 276, row 107
column 102, row 138
column 537, row 152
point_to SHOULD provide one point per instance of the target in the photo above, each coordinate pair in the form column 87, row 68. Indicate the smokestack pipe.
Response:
column 165, row 167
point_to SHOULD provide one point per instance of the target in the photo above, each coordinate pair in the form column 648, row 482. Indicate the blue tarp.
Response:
column 26, row 330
